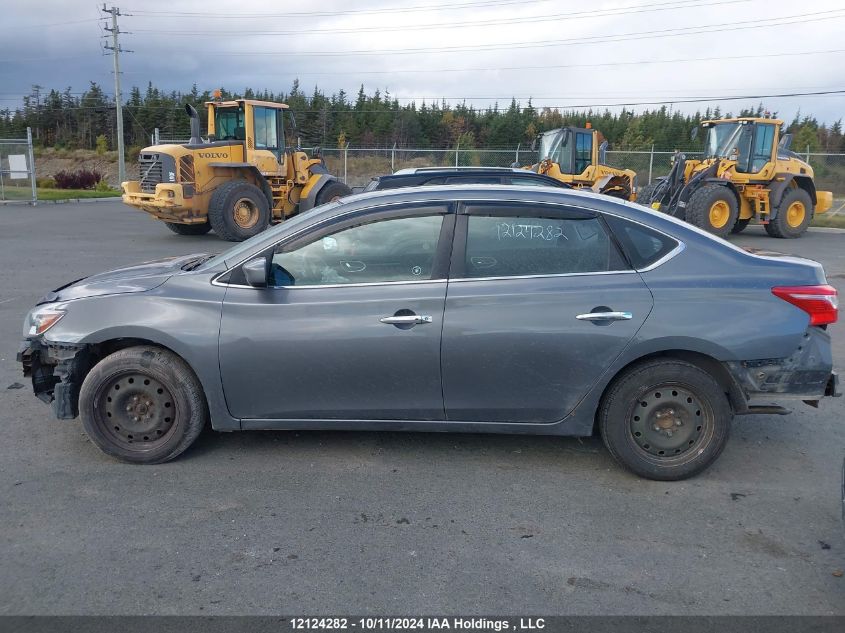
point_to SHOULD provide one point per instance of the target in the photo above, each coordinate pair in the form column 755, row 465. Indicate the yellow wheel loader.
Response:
column 746, row 171
column 238, row 181
column 574, row 156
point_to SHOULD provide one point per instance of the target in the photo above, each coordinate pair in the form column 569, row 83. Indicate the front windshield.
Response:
column 724, row 138
column 555, row 146
column 229, row 124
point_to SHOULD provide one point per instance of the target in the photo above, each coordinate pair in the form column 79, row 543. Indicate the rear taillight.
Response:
column 820, row 302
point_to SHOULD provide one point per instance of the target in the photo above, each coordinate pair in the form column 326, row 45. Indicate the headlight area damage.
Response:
column 57, row 371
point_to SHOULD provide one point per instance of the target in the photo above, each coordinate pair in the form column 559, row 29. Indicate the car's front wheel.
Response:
column 665, row 419
column 142, row 405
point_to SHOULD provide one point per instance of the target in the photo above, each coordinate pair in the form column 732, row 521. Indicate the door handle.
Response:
column 605, row 316
column 407, row 319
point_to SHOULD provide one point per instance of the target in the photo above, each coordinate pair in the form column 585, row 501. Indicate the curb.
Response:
column 68, row 201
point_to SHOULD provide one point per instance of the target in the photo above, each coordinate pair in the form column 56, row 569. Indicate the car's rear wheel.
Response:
column 665, row 419
column 189, row 229
column 142, row 405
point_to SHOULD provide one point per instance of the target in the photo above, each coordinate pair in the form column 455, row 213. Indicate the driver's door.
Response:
column 349, row 326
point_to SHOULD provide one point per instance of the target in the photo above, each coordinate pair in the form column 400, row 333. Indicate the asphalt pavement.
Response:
column 395, row 523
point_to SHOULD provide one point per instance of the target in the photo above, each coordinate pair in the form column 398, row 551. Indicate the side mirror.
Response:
column 603, row 153
column 785, row 142
column 255, row 272
column 693, row 134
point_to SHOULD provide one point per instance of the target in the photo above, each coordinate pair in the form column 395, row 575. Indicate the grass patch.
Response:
column 826, row 219
column 25, row 193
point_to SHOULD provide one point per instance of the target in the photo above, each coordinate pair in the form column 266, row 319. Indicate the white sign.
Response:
column 17, row 167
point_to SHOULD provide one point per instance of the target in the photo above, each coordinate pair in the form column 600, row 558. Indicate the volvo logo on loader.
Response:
column 212, row 155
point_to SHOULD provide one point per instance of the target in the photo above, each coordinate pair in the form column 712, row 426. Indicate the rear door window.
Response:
column 642, row 245
column 528, row 244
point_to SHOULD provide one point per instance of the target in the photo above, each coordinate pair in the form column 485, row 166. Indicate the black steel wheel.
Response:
column 142, row 405
column 665, row 419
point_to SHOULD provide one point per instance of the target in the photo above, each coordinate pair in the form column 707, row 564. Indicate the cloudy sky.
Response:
column 559, row 52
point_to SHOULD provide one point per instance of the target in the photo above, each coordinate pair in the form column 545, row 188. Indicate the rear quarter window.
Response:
column 642, row 245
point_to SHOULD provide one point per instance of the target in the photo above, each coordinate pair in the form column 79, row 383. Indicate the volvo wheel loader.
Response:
column 238, row 181
column 746, row 172
column 574, row 156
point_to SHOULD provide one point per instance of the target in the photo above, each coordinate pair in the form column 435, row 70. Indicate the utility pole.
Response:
column 118, row 97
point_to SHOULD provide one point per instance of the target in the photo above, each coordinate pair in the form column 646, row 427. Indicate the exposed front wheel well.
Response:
column 95, row 352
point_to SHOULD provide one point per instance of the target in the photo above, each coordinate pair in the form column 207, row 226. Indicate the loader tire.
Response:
column 331, row 191
column 795, row 212
column 238, row 210
column 713, row 208
column 189, row 229
column 740, row 225
column 645, row 194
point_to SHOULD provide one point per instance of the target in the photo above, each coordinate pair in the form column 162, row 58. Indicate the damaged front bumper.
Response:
column 56, row 370
column 805, row 375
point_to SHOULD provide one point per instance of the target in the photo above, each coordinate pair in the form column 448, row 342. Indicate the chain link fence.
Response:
column 17, row 170
column 357, row 166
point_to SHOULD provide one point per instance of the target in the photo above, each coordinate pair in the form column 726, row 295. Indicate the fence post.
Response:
column 155, row 136
column 516, row 160
column 31, row 164
column 808, row 153
column 650, row 162
column 345, row 152
column 457, row 147
column 393, row 159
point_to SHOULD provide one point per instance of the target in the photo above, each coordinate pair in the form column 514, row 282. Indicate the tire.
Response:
column 795, row 212
column 331, row 191
column 740, row 225
column 238, row 210
column 714, row 208
column 142, row 405
column 645, row 193
column 189, row 229
column 686, row 404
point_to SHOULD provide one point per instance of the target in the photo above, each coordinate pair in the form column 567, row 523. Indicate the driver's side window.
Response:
column 396, row 249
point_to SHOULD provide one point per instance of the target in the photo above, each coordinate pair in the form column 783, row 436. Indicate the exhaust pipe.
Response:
column 195, row 124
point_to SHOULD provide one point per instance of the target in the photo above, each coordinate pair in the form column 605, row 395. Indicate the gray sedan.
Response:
column 496, row 309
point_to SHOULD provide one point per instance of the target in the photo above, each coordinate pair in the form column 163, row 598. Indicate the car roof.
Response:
column 457, row 170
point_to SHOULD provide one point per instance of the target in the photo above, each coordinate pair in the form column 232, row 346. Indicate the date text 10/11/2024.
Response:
column 416, row 624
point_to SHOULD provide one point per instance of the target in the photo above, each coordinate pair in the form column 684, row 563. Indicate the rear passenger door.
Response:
column 539, row 303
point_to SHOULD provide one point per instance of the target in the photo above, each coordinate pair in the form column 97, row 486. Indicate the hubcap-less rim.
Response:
column 719, row 214
column 246, row 213
column 669, row 422
column 795, row 214
column 136, row 411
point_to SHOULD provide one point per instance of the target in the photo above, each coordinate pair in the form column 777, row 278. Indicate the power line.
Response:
column 308, row 14
column 598, row 13
column 597, row 39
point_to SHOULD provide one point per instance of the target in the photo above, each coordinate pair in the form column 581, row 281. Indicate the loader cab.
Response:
column 751, row 142
column 573, row 149
column 258, row 125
